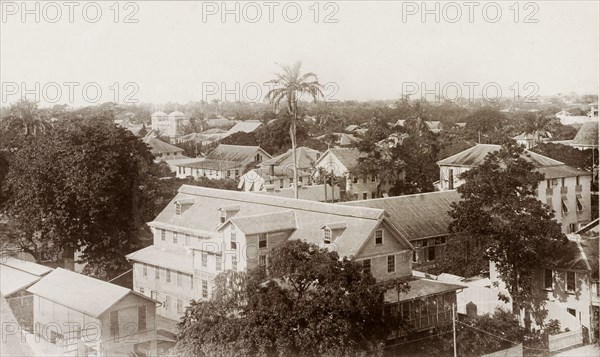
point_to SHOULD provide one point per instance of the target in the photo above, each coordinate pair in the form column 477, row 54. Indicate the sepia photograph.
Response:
column 187, row 178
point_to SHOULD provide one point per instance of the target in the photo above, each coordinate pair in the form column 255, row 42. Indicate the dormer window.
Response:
column 223, row 216
column 182, row 205
column 327, row 235
column 228, row 212
column 233, row 240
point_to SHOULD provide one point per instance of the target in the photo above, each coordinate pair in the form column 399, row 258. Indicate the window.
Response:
column 234, row 263
column 570, row 281
column 300, row 179
column 281, row 183
column 415, row 260
column 205, row 289
column 262, row 240
column 154, row 295
column 451, row 179
column 548, row 279
column 141, row 291
column 257, row 157
column 114, row 323
column 579, row 199
column 179, row 306
column 145, row 269
column 228, row 173
column 167, row 302
column 174, row 237
column 391, row 263
column 326, row 235
column 562, row 182
column 355, row 179
column 223, row 216
column 187, row 239
column 233, row 240
column 572, row 227
column 204, row 259
column 373, row 194
column 577, row 181
column 179, row 279
column 163, row 234
column 177, row 209
column 237, row 173
column 141, row 318
column 262, row 260
column 563, row 205
column 379, row 236
column 364, row 179
column 156, row 273
column 431, row 253
column 218, row 263
column 367, row 266
column 373, row 178
column 572, row 312
column 168, row 272
column 365, row 195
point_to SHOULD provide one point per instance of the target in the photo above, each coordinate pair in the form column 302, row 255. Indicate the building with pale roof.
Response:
column 102, row 317
column 565, row 189
column 586, row 137
column 171, row 125
column 161, row 150
column 204, row 231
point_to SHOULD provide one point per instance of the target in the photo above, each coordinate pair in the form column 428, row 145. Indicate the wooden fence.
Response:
column 565, row 340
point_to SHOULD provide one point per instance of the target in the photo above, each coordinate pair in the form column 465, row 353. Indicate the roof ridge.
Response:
column 277, row 201
column 401, row 196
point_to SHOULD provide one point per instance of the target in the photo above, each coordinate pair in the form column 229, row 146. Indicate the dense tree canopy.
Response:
column 499, row 203
column 310, row 303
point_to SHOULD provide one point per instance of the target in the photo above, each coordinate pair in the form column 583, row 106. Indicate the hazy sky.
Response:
column 181, row 51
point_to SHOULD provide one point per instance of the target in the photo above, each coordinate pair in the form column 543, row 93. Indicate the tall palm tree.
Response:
column 25, row 115
column 290, row 85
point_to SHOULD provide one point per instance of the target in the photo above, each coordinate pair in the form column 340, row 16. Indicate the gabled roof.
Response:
column 347, row 156
column 177, row 114
column 351, row 128
column 13, row 280
column 247, row 126
column 278, row 172
column 582, row 251
column 305, row 157
column 28, row 267
column 309, row 193
column 159, row 114
column 237, row 153
column 416, row 216
column 79, row 292
column 172, row 258
column 204, row 215
column 421, row 288
column 266, row 222
column 160, row 147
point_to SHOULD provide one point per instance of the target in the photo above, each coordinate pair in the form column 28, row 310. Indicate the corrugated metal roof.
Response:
column 160, row 147
column 247, row 126
column 175, row 259
column 476, row 155
column 238, row 153
column 79, row 292
column 416, row 216
column 268, row 222
column 420, row 288
column 305, row 157
column 13, row 280
column 587, row 134
column 347, row 156
column 551, row 172
column 29, row 267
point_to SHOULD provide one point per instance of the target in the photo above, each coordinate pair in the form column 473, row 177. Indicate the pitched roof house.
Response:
column 423, row 219
column 586, row 138
column 571, row 200
column 225, row 161
column 92, row 307
column 162, row 150
column 246, row 126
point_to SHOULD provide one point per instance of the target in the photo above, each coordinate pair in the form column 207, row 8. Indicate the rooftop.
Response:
column 79, row 292
column 416, row 216
column 421, row 288
column 176, row 259
column 238, row 153
column 266, row 222
column 26, row 266
column 347, row 156
column 247, row 126
column 13, row 280
column 310, row 192
column 305, row 157
column 587, row 134
column 160, row 147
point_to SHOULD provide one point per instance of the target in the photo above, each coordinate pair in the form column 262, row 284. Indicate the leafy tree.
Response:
column 241, row 138
column 290, row 86
column 581, row 159
column 488, row 126
column 81, row 186
column 499, row 203
column 309, row 303
column 274, row 138
column 25, row 115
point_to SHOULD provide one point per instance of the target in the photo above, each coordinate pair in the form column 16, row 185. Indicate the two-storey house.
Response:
column 422, row 219
column 564, row 188
column 161, row 150
column 341, row 162
column 91, row 317
column 225, row 161
column 203, row 232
